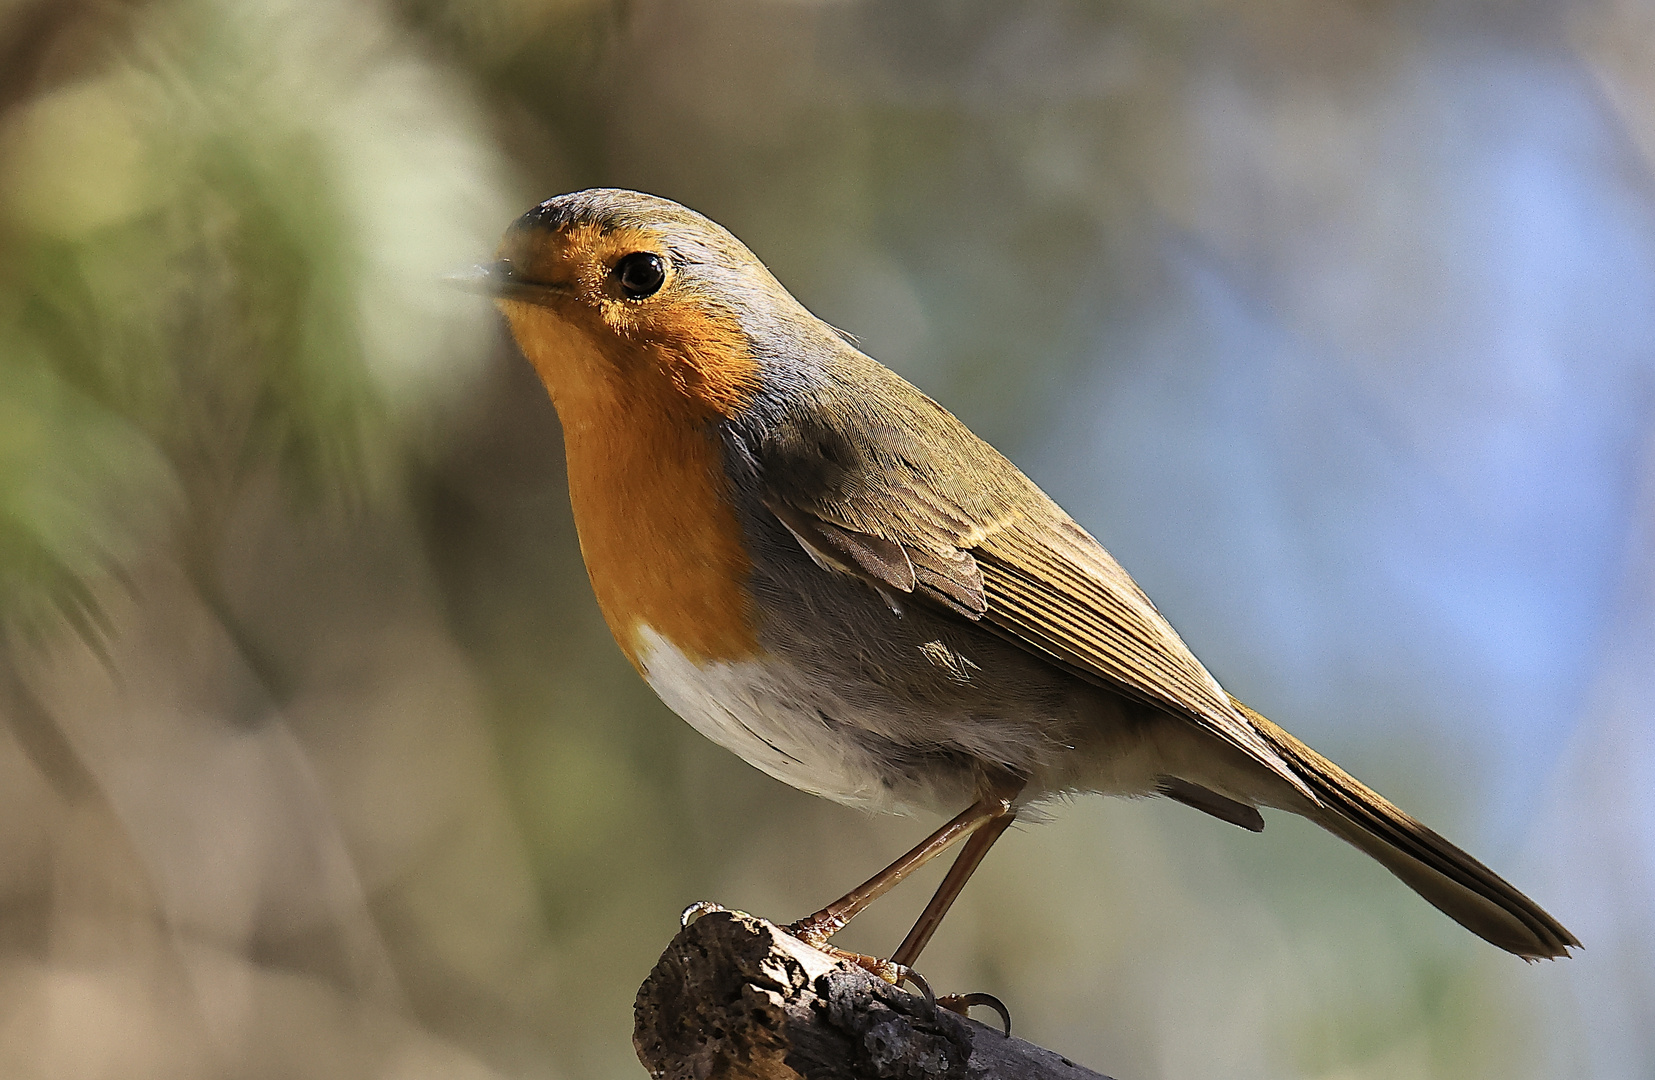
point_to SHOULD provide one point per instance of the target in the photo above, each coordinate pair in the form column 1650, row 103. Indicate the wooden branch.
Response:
column 737, row 998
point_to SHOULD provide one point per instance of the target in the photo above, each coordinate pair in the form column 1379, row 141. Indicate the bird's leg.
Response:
column 958, row 874
column 931, row 918
column 814, row 930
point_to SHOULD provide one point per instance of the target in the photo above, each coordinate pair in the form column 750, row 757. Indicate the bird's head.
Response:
column 613, row 293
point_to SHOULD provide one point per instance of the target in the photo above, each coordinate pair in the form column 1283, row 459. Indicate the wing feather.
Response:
column 1041, row 593
column 900, row 493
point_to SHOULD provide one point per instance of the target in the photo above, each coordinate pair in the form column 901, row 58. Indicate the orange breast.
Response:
column 661, row 542
column 660, row 537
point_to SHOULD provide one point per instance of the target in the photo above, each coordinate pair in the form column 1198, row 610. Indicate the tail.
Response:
column 1456, row 884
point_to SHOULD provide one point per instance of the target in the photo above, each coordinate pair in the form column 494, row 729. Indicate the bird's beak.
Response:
column 498, row 280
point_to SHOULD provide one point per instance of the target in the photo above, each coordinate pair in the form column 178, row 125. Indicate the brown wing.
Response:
column 897, row 491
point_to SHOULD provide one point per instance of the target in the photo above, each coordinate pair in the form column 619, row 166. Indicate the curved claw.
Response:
column 961, row 1002
column 696, row 910
column 909, row 975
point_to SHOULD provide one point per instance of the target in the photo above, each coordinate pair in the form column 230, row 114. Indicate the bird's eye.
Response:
column 641, row 274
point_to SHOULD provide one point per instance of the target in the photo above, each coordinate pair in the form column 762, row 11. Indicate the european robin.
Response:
column 823, row 570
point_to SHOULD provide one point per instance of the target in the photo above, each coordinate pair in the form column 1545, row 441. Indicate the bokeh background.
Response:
column 1333, row 319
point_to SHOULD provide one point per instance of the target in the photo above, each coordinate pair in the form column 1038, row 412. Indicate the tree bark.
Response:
column 737, row 998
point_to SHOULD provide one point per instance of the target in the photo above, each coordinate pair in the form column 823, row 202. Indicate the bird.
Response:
column 823, row 570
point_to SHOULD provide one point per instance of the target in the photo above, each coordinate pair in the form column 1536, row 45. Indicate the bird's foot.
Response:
column 892, row 972
column 816, row 934
column 961, row 1003
column 698, row 909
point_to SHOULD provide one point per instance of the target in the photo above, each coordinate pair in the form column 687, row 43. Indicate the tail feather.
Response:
column 1455, row 883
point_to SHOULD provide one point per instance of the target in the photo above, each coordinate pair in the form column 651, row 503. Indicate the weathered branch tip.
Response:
column 737, row 998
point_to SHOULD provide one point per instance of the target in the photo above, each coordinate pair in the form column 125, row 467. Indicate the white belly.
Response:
column 767, row 718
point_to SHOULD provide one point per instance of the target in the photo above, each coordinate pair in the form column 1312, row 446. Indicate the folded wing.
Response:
column 892, row 488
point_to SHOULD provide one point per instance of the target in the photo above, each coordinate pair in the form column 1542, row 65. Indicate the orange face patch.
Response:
column 680, row 334
column 638, row 386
